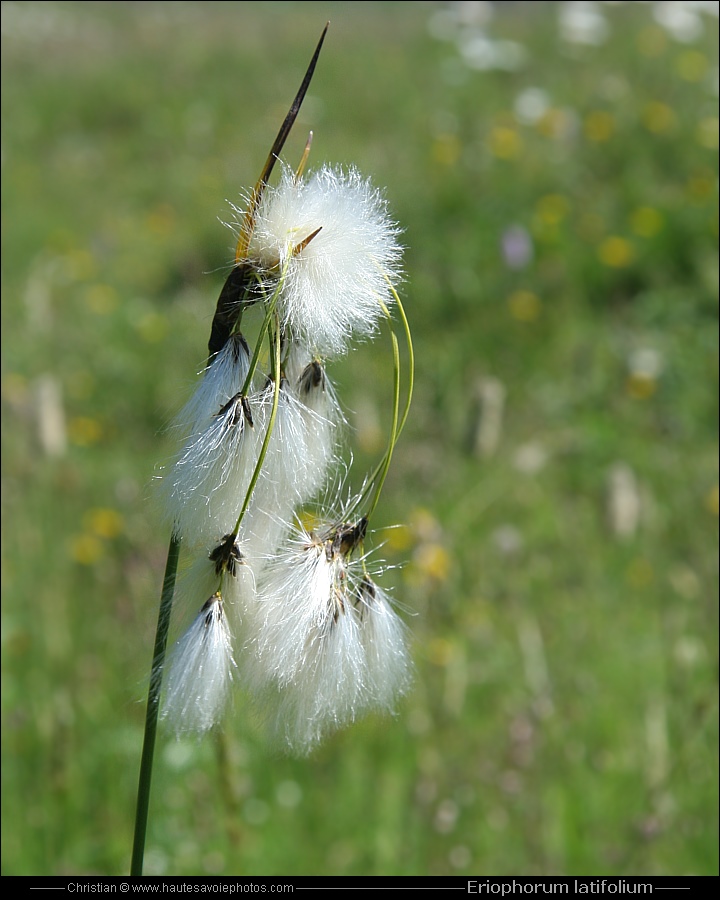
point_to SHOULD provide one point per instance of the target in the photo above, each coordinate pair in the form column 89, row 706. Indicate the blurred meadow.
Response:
column 554, row 166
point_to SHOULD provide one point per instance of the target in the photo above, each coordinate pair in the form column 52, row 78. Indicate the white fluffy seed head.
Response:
column 223, row 378
column 322, row 413
column 335, row 284
column 384, row 638
column 328, row 693
column 323, row 420
column 323, row 642
column 299, row 453
column 216, row 461
column 228, row 561
column 287, row 469
column 296, row 605
column 206, row 487
column 327, row 645
column 200, row 672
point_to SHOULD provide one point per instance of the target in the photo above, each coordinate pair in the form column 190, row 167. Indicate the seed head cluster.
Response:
column 289, row 603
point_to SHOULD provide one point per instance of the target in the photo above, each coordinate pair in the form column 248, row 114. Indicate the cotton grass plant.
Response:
column 276, row 555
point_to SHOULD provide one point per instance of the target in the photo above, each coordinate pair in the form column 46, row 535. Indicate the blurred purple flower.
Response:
column 517, row 247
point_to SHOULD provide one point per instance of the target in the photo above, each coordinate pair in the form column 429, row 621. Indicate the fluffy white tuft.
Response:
column 200, row 672
column 384, row 638
column 201, row 488
column 335, row 285
column 323, row 419
column 326, row 639
column 207, row 485
column 295, row 466
column 223, row 378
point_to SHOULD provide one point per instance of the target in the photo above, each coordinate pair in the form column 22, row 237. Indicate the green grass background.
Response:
column 564, row 714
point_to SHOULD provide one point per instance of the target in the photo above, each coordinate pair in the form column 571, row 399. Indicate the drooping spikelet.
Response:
column 327, row 644
column 200, row 672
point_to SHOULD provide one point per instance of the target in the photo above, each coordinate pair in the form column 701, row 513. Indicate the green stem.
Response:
column 377, row 478
column 411, row 361
column 258, row 346
column 270, row 307
column 153, row 707
column 275, row 356
column 385, row 465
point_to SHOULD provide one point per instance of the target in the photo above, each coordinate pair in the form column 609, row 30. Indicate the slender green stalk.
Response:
column 394, row 432
column 153, row 707
column 377, row 478
column 270, row 307
column 258, row 347
column 230, row 792
column 275, row 355
column 274, row 339
column 411, row 360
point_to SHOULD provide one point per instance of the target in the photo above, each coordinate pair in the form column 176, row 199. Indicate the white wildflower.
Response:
column 318, row 258
column 582, row 22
